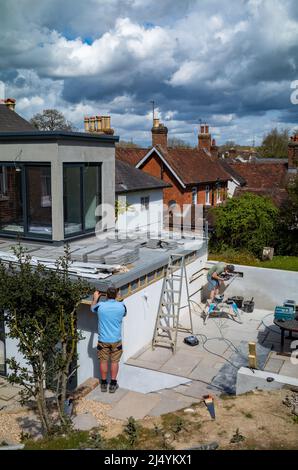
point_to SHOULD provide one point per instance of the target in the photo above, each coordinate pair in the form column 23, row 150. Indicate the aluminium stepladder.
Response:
column 167, row 320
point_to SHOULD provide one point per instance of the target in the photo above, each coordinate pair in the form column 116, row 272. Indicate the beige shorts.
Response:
column 106, row 351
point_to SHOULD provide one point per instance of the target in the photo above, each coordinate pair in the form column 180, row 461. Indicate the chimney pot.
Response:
column 92, row 124
column 155, row 122
column 10, row 103
column 98, row 123
column 204, row 138
column 86, row 124
column 159, row 134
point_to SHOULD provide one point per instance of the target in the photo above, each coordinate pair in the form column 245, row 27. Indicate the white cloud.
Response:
column 229, row 61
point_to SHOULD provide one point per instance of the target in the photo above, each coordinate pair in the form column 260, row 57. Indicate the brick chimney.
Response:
column 159, row 134
column 204, row 138
column 214, row 149
column 293, row 154
column 10, row 103
column 98, row 125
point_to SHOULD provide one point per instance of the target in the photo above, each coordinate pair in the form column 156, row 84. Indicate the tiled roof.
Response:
column 192, row 166
column 130, row 155
column 265, row 179
column 278, row 195
column 262, row 175
column 129, row 178
column 232, row 171
column 10, row 121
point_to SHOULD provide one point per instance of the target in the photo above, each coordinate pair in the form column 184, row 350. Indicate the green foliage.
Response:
column 51, row 120
column 233, row 256
column 122, row 207
column 178, row 425
column 275, row 144
column 95, row 441
column 131, row 430
column 73, row 440
column 40, row 312
column 237, row 437
column 247, row 222
column 288, row 222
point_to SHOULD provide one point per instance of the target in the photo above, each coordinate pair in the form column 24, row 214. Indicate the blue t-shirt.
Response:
column 110, row 314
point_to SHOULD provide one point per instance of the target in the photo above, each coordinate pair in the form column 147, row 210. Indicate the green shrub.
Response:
column 247, row 222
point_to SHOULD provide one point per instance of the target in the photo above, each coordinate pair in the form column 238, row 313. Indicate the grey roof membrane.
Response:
column 140, row 259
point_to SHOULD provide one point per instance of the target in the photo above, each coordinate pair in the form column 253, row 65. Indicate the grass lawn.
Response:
column 288, row 263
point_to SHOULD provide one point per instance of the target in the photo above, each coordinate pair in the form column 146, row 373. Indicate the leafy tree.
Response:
column 227, row 146
column 40, row 312
column 51, row 120
column 275, row 144
column 127, row 144
column 175, row 142
column 288, row 222
column 246, row 222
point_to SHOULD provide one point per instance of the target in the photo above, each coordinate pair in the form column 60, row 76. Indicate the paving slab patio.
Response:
column 137, row 405
column 274, row 365
column 106, row 397
column 168, row 405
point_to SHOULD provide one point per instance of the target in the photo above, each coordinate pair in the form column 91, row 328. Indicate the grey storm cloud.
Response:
column 220, row 61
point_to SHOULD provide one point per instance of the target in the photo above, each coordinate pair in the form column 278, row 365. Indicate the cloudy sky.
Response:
column 228, row 62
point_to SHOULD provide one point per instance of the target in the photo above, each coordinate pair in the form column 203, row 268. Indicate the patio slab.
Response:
column 274, row 365
column 134, row 404
column 289, row 369
column 146, row 381
column 181, row 363
column 168, row 405
column 106, row 397
column 196, row 390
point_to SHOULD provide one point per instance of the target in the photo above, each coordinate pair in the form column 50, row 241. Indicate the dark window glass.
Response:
column 39, row 200
column 72, row 191
column 11, row 199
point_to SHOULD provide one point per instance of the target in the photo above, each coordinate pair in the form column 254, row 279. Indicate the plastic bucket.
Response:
column 248, row 306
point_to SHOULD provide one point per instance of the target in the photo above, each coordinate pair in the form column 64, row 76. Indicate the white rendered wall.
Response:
column 137, row 219
column 11, row 350
column 138, row 325
column 268, row 287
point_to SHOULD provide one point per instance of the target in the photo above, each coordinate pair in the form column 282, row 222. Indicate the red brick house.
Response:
column 195, row 175
column 263, row 176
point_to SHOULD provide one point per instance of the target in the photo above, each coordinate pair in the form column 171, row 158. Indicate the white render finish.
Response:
column 248, row 380
column 138, row 219
column 138, row 325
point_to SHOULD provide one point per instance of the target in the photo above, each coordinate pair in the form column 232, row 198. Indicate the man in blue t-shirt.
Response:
column 110, row 314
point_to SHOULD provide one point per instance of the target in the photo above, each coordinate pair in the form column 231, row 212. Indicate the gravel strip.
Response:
column 99, row 411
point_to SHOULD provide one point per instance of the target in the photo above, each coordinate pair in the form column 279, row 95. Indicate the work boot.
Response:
column 113, row 386
column 104, row 386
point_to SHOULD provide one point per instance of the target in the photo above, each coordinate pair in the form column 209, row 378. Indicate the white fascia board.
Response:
column 164, row 161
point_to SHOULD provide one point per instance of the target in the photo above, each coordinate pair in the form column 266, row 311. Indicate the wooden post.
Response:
column 252, row 355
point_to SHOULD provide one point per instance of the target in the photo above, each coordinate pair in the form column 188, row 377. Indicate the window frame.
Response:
column 145, row 203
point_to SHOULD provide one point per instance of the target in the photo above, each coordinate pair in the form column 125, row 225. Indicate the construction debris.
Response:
column 292, row 402
column 209, row 402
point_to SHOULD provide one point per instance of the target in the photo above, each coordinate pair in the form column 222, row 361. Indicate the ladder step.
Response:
column 166, row 328
column 164, row 341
